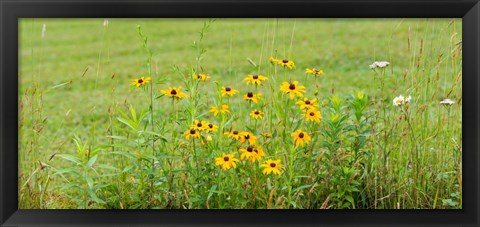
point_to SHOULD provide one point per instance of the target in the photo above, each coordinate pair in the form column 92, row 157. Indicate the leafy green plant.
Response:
column 84, row 182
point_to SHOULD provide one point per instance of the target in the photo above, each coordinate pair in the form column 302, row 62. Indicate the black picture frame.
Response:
column 12, row 10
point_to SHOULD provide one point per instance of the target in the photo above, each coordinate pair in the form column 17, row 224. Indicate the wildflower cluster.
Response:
column 198, row 127
column 288, row 64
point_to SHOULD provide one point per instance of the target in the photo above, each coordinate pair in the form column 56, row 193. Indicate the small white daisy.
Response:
column 379, row 64
column 383, row 64
column 399, row 100
column 447, row 102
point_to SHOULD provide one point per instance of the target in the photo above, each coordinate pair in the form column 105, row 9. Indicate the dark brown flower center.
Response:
column 140, row 81
column 292, row 87
column 316, row 70
column 272, row 165
column 256, row 150
column 247, row 136
column 257, row 113
column 285, row 61
column 312, row 114
column 210, row 125
column 235, row 132
column 173, row 92
column 198, row 76
column 226, row 158
column 250, row 149
column 192, row 132
column 249, row 94
column 301, row 135
column 199, row 124
column 255, row 77
column 228, row 89
column 307, row 102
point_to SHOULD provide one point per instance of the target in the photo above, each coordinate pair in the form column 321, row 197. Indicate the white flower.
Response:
column 398, row 101
column 379, row 64
column 407, row 100
column 447, row 102
column 383, row 64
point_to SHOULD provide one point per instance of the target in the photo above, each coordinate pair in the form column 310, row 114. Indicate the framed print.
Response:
column 348, row 113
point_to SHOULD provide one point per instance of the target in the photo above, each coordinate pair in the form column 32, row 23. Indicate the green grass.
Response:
column 80, row 69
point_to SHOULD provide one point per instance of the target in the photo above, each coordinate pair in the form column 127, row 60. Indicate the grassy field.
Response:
column 90, row 139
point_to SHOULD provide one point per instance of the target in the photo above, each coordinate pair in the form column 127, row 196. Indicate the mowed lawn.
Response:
column 83, row 68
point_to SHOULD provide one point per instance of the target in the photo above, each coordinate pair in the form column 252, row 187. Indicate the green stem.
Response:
column 290, row 173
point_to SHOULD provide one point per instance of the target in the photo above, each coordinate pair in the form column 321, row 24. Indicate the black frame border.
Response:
column 12, row 10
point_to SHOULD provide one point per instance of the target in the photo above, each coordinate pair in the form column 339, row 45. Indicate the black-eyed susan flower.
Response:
column 211, row 127
column 255, row 79
column 256, row 114
column 202, row 77
column 227, row 161
column 292, row 89
column 286, row 63
column 273, row 60
column 199, row 125
column 183, row 145
column 174, row 92
column 271, row 165
column 252, row 153
column 224, row 109
column 248, row 136
column 141, row 81
column 252, row 97
column 191, row 134
column 313, row 115
column 314, row 71
column 300, row 137
column 228, row 91
column 234, row 134
column 307, row 103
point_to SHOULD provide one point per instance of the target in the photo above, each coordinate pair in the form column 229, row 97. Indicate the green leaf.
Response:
column 127, row 123
column 95, row 198
column 70, row 185
column 133, row 113
column 127, row 169
column 302, row 187
column 69, row 157
column 67, row 170
column 349, row 199
column 155, row 134
column 210, row 193
column 92, row 161
column 103, row 166
column 89, row 181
